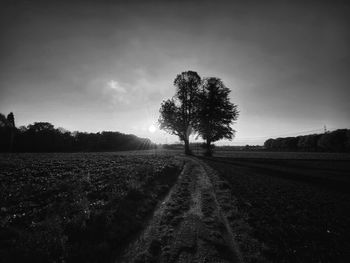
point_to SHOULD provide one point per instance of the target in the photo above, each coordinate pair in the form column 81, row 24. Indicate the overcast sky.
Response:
column 107, row 65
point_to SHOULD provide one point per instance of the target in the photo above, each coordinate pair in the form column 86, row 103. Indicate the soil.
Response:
column 173, row 208
column 250, row 210
column 296, row 210
column 189, row 225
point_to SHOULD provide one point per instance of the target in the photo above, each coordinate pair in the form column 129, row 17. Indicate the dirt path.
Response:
column 189, row 225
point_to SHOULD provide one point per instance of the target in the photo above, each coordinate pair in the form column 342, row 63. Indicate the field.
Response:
column 76, row 207
column 161, row 206
column 297, row 210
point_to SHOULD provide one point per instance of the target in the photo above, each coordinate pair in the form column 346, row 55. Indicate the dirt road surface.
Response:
column 189, row 225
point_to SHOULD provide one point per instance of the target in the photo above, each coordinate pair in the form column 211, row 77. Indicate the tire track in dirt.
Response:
column 236, row 220
column 188, row 226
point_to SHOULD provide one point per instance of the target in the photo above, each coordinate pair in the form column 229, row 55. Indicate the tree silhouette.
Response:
column 215, row 112
column 178, row 115
column 11, row 119
column 7, row 132
column 41, row 127
column 12, row 128
column 44, row 137
column 3, row 121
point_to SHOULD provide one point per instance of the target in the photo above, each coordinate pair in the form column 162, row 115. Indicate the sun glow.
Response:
column 152, row 128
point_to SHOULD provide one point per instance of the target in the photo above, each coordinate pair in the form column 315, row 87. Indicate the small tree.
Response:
column 11, row 119
column 12, row 127
column 177, row 115
column 215, row 113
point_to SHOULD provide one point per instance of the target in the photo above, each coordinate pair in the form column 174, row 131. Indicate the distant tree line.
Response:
column 336, row 141
column 44, row 137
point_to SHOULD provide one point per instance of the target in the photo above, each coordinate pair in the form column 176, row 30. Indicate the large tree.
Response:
column 178, row 115
column 215, row 113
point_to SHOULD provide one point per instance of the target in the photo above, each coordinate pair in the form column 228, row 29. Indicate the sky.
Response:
column 107, row 65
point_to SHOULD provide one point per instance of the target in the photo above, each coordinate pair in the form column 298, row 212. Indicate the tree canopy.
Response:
column 44, row 137
column 335, row 141
column 177, row 115
column 198, row 106
column 215, row 112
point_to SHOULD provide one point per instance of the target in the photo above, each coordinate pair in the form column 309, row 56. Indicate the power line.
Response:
column 321, row 130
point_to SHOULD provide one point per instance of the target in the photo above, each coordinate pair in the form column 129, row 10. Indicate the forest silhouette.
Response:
column 44, row 137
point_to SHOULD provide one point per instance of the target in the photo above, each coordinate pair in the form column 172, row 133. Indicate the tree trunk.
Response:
column 11, row 142
column 209, row 150
column 12, row 138
column 187, row 146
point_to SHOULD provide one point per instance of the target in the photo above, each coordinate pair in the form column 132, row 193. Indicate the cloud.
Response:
column 139, row 91
column 116, row 93
column 114, row 85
